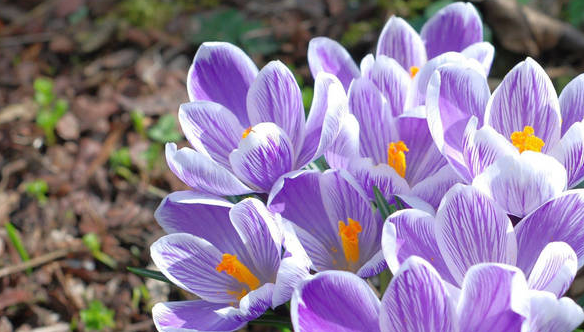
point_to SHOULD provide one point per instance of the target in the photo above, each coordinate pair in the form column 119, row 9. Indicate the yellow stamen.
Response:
column 246, row 132
column 350, row 239
column 414, row 70
column 233, row 267
column 526, row 140
column 396, row 157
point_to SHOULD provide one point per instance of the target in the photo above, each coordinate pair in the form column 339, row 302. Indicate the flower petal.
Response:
column 370, row 109
column 196, row 315
column 325, row 54
column 202, row 215
column 456, row 92
column 300, row 201
column 570, row 152
column 572, row 103
column 435, row 186
column 262, row 235
column 483, row 52
column 519, row 184
column 343, row 198
column 452, row 28
column 493, row 298
column 263, row 156
column 417, row 300
column 471, row 229
column 414, row 236
column 398, row 40
column 549, row 314
column 392, row 81
column 423, row 158
column 481, row 148
column 256, row 302
column 417, row 93
column 275, row 97
column 555, row 269
column 190, row 262
column 335, row 301
column 201, row 173
column 559, row 219
column 211, row 129
column 222, row 72
column 325, row 119
column 526, row 97
column 384, row 177
column 346, row 146
column 291, row 273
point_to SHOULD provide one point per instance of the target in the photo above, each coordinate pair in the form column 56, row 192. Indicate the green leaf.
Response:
column 149, row 274
column 120, row 158
column 38, row 189
column 165, row 130
column 17, row 243
column 384, row 207
column 97, row 316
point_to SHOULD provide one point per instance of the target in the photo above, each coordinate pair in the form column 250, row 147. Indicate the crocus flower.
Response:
column 469, row 228
column 454, row 28
column 229, row 255
column 522, row 114
column 248, row 128
column 493, row 297
column 333, row 220
column 392, row 150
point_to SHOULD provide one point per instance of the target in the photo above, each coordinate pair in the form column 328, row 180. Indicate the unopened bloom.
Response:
column 493, row 297
column 231, row 256
column 454, row 33
column 333, row 220
column 469, row 228
column 249, row 128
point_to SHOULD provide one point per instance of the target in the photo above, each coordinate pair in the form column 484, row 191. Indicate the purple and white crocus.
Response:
column 333, row 220
column 469, row 229
column 248, row 127
column 473, row 129
column 454, row 28
column 391, row 149
column 493, row 297
column 237, row 258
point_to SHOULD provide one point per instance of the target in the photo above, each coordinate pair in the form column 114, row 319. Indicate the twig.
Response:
column 37, row 261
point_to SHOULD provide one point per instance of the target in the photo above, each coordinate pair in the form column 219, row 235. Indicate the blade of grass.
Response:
column 148, row 274
column 17, row 242
column 384, row 207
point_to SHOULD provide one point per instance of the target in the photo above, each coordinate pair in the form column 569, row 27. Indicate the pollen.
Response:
column 246, row 132
column 238, row 295
column 396, row 157
column 526, row 140
column 350, row 239
column 233, row 267
column 414, row 71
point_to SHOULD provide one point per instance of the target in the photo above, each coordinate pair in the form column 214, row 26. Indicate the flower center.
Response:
column 233, row 267
column 246, row 132
column 414, row 70
column 350, row 239
column 396, row 157
column 526, row 140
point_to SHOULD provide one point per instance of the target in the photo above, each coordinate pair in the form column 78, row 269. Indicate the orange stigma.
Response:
column 246, row 132
column 526, row 140
column 350, row 239
column 396, row 157
column 414, row 70
column 233, row 267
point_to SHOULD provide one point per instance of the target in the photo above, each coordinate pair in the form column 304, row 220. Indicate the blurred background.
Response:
column 89, row 91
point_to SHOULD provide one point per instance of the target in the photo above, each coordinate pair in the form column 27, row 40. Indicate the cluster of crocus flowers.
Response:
column 490, row 238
